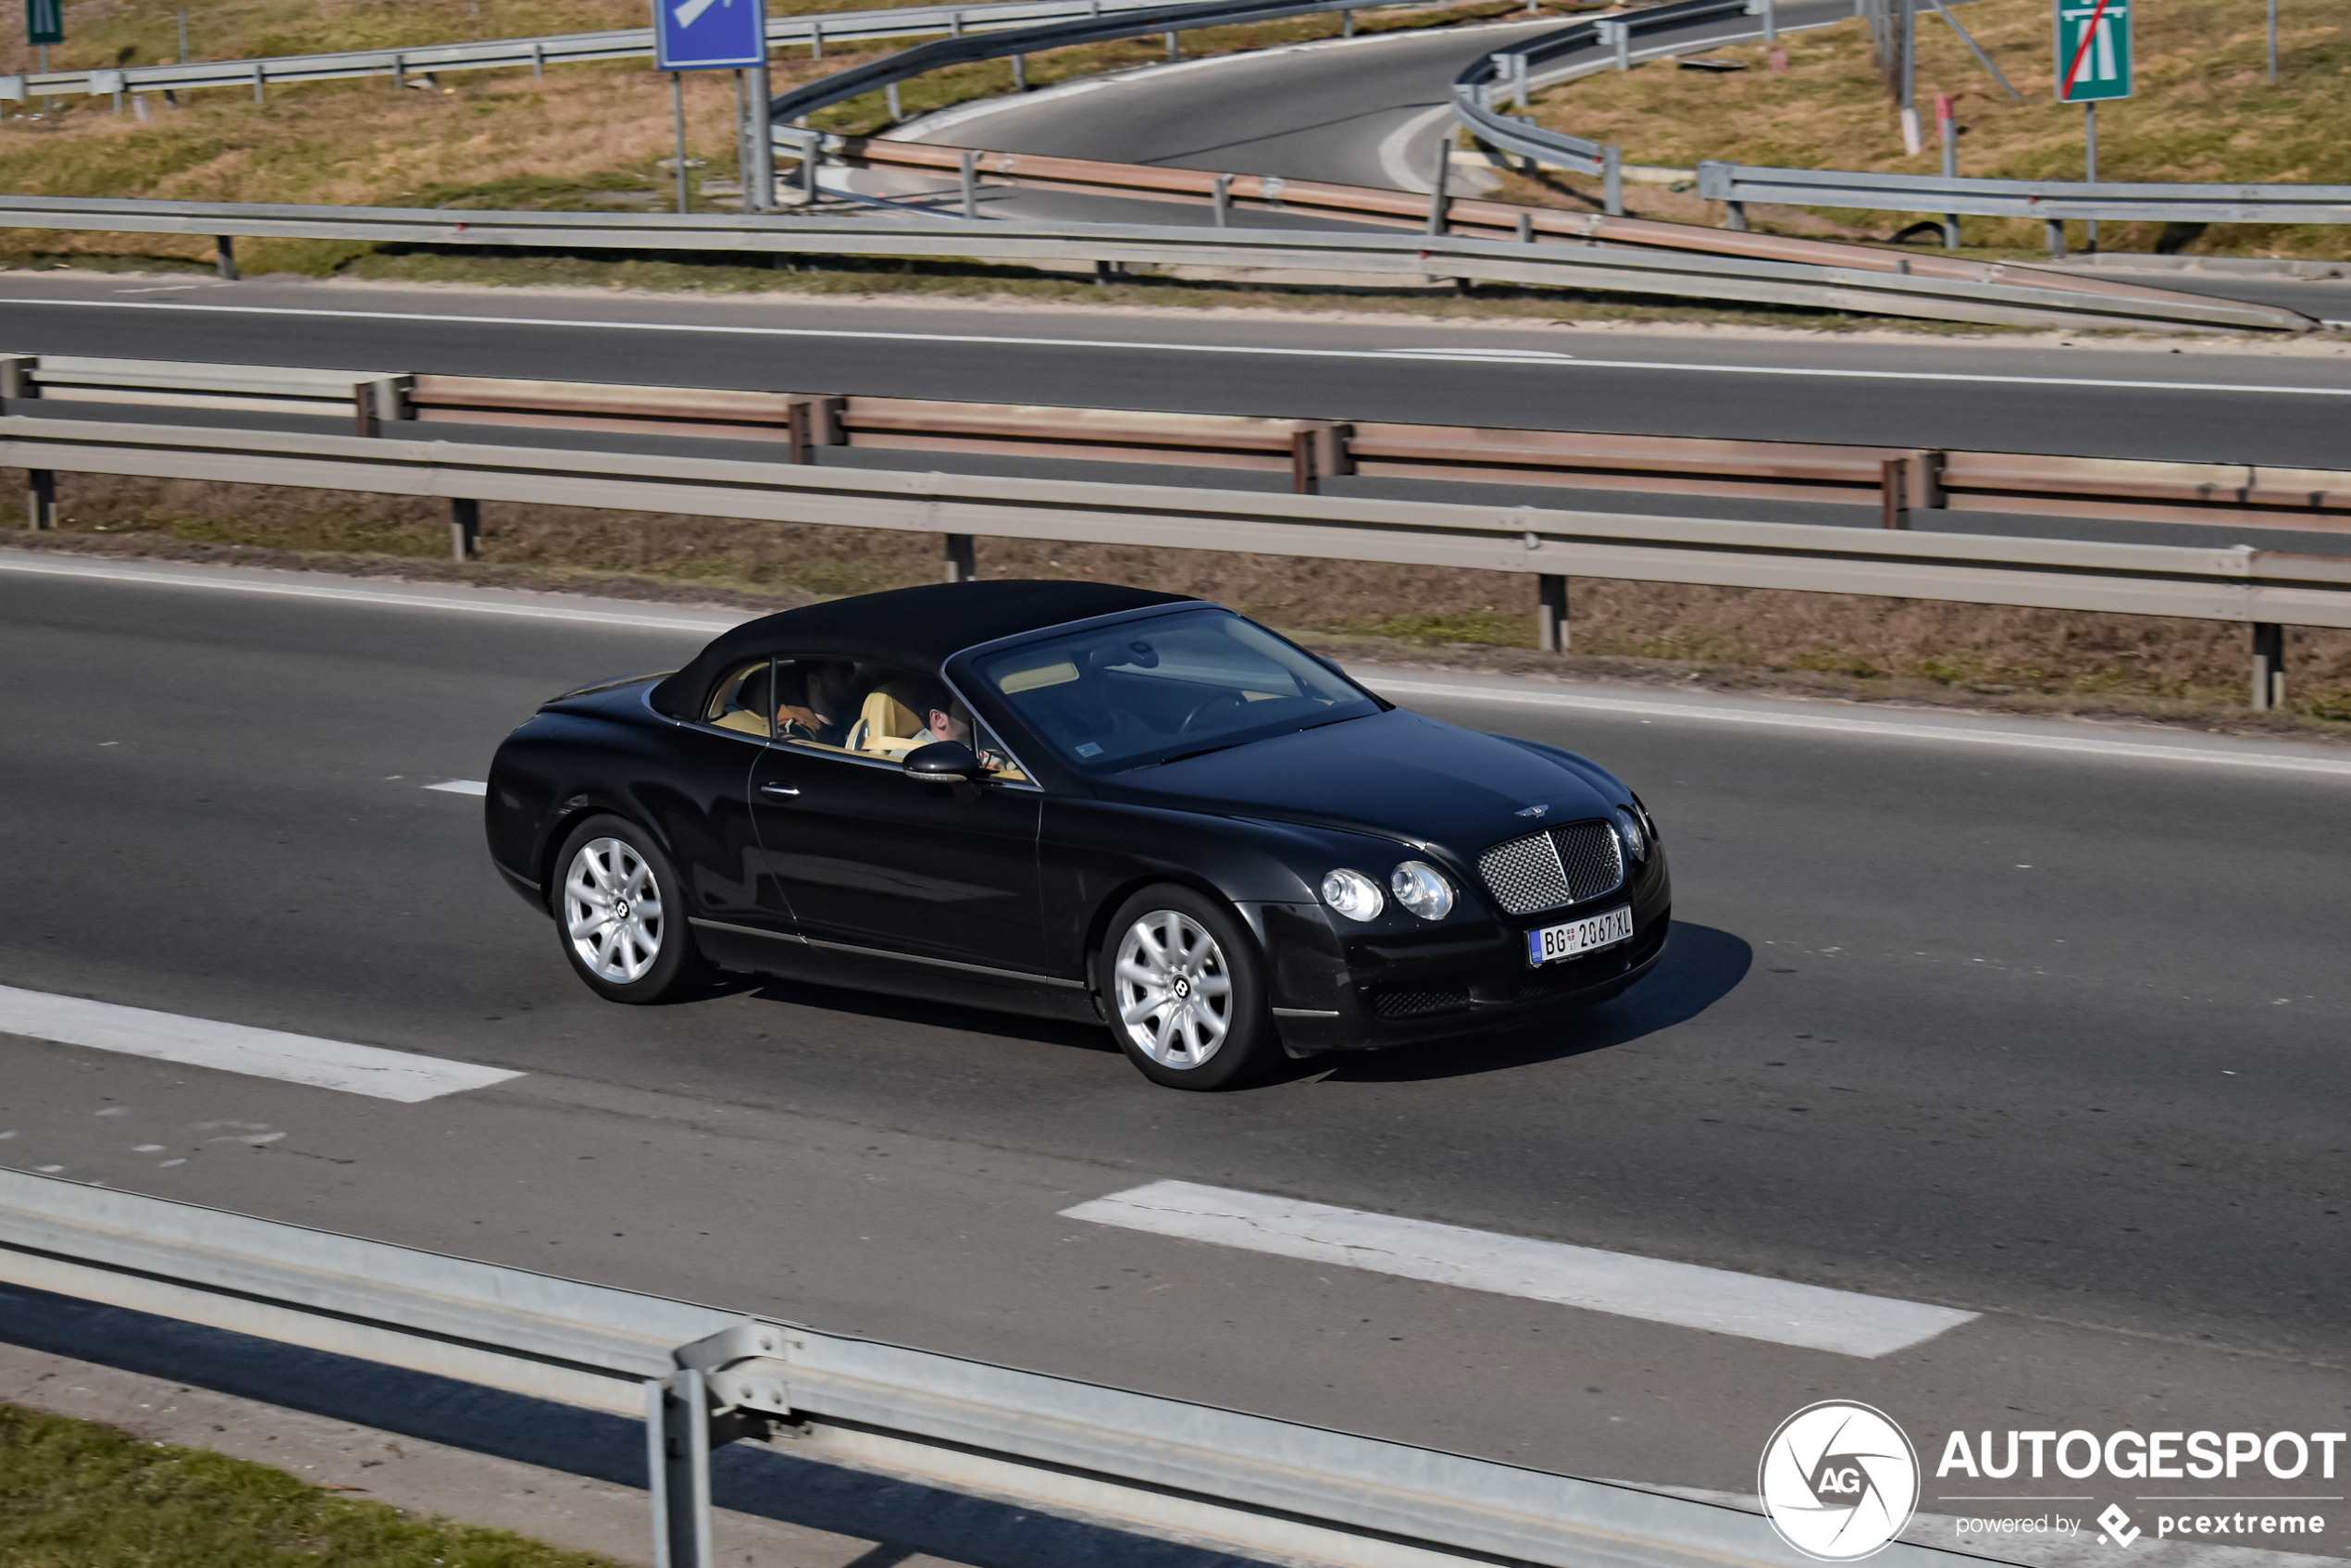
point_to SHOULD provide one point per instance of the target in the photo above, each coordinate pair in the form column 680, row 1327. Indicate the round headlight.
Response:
column 1628, row 827
column 1422, row 888
column 1353, row 895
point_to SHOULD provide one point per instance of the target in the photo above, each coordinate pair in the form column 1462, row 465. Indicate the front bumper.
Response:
column 1336, row 990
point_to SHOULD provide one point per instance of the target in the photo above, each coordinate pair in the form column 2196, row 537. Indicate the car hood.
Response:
column 1398, row 775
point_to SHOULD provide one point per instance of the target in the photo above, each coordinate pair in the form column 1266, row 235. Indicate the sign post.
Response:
column 2093, row 64
column 722, row 35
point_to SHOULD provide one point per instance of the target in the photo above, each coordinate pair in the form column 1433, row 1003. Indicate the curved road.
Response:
column 2052, row 1038
column 1368, row 111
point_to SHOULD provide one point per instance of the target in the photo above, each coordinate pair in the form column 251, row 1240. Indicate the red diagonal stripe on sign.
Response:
column 2089, row 36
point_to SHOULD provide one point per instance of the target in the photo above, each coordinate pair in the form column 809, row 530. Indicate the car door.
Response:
column 857, row 855
column 704, row 803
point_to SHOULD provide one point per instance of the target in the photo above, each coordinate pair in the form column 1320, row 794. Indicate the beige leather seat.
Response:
column 886, row 727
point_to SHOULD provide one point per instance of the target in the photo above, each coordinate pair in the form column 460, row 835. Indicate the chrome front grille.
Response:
column 1563, row 866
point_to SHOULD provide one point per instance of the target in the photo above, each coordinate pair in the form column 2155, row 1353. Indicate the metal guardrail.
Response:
column 1478, row 89
column 1825, row 278
column 1227, row 195
column 702, row 1377
column 536, row 54
column 1908, row 486
column 2238, row 584
column 2052, row 201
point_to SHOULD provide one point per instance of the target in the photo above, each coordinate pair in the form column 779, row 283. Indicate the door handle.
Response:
column 779, row 789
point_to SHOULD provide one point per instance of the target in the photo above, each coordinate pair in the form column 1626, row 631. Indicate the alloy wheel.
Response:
column 1174, row 990
column 613, row 910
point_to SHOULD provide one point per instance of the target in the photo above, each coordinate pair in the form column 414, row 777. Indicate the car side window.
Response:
column 740, row 702
column 873, row 710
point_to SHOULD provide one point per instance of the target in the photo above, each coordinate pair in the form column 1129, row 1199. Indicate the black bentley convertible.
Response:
column 1081, row 800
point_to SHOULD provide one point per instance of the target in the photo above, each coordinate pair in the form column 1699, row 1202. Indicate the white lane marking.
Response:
column 1125, row 345
column 235, row 1048
column 709, row 626
column 461, row 787
column 1685, row 1294
column 1501, row 355
column 1874, row 727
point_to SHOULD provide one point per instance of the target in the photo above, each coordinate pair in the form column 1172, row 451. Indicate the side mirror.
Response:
column 944, row 762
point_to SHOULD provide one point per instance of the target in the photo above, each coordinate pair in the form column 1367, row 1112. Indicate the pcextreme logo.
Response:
column 1838, row 1481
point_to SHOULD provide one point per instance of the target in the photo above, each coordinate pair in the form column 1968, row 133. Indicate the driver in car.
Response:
column 945, row 719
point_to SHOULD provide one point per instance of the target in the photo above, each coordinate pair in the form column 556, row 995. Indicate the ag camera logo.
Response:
column 1838, row 1481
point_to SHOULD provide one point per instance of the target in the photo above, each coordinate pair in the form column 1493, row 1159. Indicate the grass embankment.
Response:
column 586, row 137
column 74, row 1494
column 2205, row 111
column 2030, row 660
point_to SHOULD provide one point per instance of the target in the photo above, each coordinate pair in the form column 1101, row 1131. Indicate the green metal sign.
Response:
column 2093, row 50
column 44, row 22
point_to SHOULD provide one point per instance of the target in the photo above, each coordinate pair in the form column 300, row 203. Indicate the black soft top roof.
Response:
column 916, row 626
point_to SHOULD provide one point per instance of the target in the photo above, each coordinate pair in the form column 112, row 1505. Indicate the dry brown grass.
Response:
column 2203, row 111
column 1865, row 647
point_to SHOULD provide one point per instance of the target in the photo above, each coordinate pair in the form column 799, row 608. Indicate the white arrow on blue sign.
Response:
column 709, row 34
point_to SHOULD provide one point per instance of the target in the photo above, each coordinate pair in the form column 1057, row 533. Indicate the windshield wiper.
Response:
column 1187, row 757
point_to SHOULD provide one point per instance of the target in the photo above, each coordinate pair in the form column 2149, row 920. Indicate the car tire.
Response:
column 1183, row 989
column 619, row 907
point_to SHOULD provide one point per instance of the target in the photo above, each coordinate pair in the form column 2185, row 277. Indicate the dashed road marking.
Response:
column 236, row 1048
column 461, row 787
column 1690, row 1295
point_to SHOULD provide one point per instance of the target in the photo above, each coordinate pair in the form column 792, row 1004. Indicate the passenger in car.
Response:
column 826, row 692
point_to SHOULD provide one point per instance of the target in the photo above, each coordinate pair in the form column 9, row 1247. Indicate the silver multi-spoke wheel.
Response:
column 612, row 911
column 1173, row 988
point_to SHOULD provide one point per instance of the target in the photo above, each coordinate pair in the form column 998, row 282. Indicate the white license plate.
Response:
column 1578, row 937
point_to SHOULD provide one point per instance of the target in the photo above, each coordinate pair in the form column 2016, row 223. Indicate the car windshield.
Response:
column 1150, row 692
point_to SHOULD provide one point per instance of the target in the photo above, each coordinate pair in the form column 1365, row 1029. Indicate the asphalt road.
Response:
column 1365, row 112
column 2054, row 1038
column 2206, row 404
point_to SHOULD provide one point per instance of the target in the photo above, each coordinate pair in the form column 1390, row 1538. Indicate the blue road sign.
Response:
column 709, row 34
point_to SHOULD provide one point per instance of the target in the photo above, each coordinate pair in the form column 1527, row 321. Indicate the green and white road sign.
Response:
column 44, row 22
column 2093, row 50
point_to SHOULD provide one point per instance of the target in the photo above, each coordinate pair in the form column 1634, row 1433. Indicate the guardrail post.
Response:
column 258, row 80
column 1318, row 450
column 1347, row 24
column 465, row 529
column 678, row 1461
column 2057, row 239
column 1221, row 200
column 538, row 60
column 1437, row 198
column 17, row 375
column 2268, row 665
column 970, row 170
column 816, row 39
column 1173, row 51
column 1613, row 180
column 224, row 256
column 1551, row 612
column 40, row 500
column 1020, row 73
column 811, row 422
column 399, row 71
column 962, row 565
column 1909, row 483
column 1734, row 216
column 374, row 403
column 890, row 95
